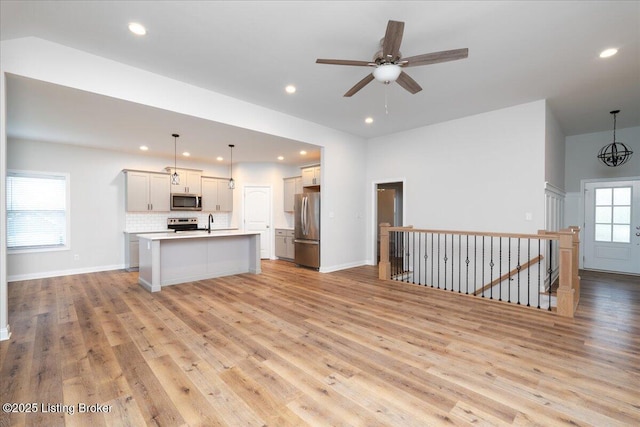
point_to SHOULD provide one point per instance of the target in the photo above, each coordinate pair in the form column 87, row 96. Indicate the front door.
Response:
column 257, row 215
column 612, row 226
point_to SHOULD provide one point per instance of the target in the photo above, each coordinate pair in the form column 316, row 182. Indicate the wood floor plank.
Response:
column 228, row 405
column 152, row 399
column 186, row 397
column 292, row 346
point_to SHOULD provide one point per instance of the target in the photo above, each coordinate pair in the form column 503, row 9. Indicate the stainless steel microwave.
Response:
column 186, row 202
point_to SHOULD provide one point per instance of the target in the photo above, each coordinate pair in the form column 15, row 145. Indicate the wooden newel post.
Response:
column 576, row 265
column 567, row 298
column 384, row 266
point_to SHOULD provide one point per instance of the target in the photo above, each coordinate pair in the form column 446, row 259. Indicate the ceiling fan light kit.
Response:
column 388, row 62
column 387, row 73
column 616, row 153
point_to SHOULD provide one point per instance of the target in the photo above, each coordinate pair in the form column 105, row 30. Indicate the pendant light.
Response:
column 175, row 178
column 616, row 153
column 232, row 183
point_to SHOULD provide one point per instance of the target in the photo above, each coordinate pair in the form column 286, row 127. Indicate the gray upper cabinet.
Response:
column 216, row 195
column 190, row 181
column 292, row 186
column 147, row 191
column 311, row 176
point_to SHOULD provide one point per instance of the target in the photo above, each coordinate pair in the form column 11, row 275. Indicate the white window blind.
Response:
column 36, row 210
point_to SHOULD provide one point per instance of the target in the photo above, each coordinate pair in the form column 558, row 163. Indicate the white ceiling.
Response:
column 519, row 51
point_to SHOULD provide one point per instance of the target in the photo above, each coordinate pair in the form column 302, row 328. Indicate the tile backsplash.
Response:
column 137, row 222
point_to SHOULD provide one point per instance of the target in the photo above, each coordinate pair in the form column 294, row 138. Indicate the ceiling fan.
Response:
column 389, row 62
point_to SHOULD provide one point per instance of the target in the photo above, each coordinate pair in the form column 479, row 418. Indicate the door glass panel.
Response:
column 603, row 196
column 603, row 232
column 621, row 215
column 622, row 196
column 603, row 214
column 621, row 233
column 613, row 215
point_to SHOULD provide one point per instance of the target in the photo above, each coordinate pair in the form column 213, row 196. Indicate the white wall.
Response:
column 478, row 173
column 554, row 152
column 5, row 332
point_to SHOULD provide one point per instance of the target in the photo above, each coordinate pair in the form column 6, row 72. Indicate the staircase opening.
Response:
column 389, row 200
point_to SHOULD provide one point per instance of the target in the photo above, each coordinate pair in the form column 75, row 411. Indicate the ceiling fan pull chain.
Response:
column 386, row 93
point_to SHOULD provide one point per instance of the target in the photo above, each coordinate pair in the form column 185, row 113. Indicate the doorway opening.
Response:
column 389, row 202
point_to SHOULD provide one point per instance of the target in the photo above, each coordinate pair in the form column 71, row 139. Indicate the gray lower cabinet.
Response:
column 132, row 249
column 285, row 248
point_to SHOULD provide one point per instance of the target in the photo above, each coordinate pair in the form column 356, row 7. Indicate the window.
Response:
column 613, row 214
column 37, row 211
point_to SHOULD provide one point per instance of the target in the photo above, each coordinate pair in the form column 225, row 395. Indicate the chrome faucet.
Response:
column 210, row 220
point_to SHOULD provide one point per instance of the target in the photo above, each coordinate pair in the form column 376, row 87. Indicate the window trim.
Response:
column 43, row 174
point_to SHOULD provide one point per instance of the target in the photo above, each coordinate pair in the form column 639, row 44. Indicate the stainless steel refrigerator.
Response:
column 307, row 229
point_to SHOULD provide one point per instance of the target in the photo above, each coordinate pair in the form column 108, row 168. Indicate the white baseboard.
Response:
column 5, row 333
column 339, row 267
column 57, row 273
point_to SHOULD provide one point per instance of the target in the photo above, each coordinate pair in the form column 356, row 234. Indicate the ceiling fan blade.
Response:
column 408, row 83
column 362, row 83
column 392, row 40
column 435, row 57
column 344, row 62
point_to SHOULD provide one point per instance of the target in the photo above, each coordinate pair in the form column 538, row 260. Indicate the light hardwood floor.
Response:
column 294, row 347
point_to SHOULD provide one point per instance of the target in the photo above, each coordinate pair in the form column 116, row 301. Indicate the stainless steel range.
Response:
column 183, row 224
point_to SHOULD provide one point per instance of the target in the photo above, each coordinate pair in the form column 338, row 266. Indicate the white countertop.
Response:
column 196, row 234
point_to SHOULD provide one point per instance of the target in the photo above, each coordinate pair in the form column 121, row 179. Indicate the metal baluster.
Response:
column 475, row 264
column 438, row 260
column 519, row 267
column 426, row 246
column 482, row 281
column 452, row 262
column 445, row 263
column 529, row 273
column 417, row 258
column 392, row 252
column 500, row 271
column 405, row 273
column 467, row 262
column 539, row 269
column 509, row 270
column 432, row 258
column 413, row 257
column 550, row 270
column 459, row 263
column 491, row 264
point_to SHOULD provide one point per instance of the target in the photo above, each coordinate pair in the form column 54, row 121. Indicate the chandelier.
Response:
column 616, row 153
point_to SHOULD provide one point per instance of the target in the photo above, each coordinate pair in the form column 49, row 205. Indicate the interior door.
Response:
column 612, row 226
column 257, row 215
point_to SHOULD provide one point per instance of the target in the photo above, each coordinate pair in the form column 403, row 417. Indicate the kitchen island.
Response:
column 172, row 258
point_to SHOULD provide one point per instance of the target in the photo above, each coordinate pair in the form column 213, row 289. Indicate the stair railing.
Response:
column 516, row 268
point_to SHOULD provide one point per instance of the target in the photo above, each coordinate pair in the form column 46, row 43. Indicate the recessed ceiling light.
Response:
column 219, row 158
column 303, row 152
column 144, row 147
column 608, row 52
column 290, row 89
column 138, row 29
column 280, row 158
column 368, row 120
column 186, row 154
